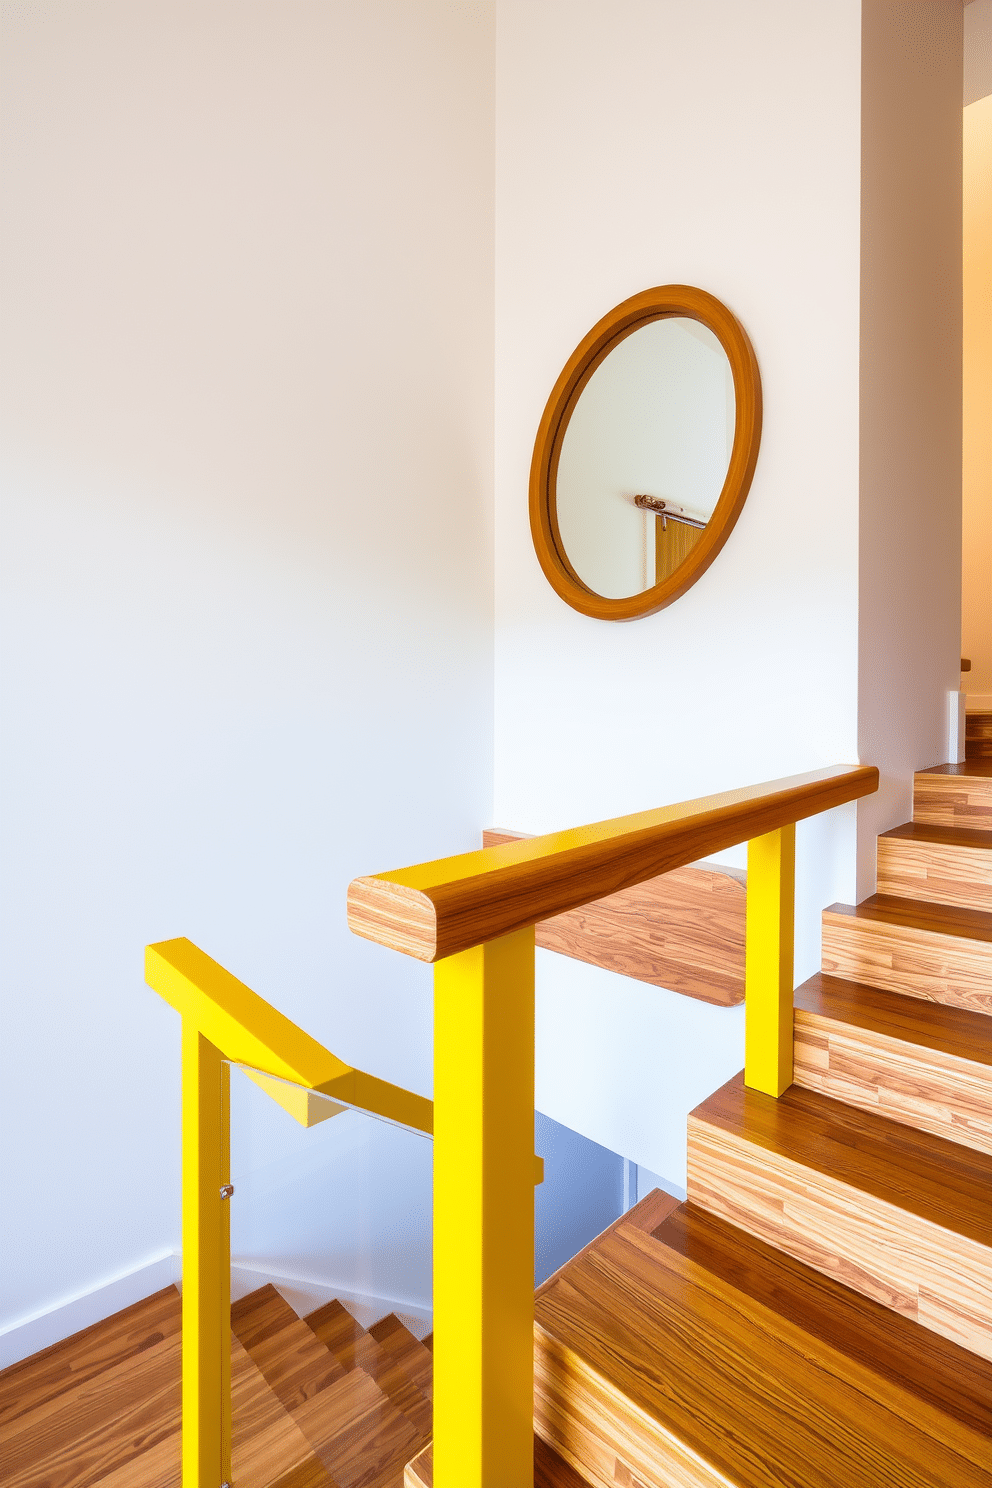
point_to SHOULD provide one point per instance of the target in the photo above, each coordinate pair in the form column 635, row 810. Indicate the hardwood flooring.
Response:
column 922, row 1064
column 894, row 1213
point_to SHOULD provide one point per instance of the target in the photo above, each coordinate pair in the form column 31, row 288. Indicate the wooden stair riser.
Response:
column 941, row 873
column 902, row 958
column 934, row 1276
column 921, row 1087
column 597, row 1430
column 953, row 800
column 978, row 735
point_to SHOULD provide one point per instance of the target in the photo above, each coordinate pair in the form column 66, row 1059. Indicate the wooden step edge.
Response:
column 292, row 1359
column 681, row 1369
column 918, row 916
column 909, row 1079
column 918, row 1374
column 958, row 1033
column 929, row 834
column 912, row 1172
column 932, row 1264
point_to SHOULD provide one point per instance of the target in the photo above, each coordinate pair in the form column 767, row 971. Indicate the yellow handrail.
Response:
column 225, row 1022
column 474, row 915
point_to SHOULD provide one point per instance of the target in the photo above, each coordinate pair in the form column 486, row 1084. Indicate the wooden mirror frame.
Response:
column 652, row 304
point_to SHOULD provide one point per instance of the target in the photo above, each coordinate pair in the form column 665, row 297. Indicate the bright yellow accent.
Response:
column 206, row 1346
column 484, row 1215
column 250, row 1031
column 303, row 1105
column 768, row 972
column 224, row 1022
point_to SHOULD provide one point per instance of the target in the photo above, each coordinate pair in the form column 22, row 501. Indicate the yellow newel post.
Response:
column 484, row 1215
column 768, row 973
column 206, row 1451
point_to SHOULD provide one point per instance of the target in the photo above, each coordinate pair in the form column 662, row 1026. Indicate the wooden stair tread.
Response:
column 550, row 1470
column 356, row 1348
column 919, row 914
column 363, row 1440
column 980, row 768
column 940, row 1375
column 395, row 1339
column 268, row 1445
column 927, row 832
column 950, row 1030
column 937, row 1180
column 727, row 1378
column 293, row 1361
column 63, row 1366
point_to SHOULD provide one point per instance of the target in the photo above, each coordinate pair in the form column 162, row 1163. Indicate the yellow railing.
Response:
column 473, row 915
column 225, row 1023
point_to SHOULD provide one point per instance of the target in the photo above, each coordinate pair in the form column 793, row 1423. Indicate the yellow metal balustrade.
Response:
column 224, row 1022
column 474, row 916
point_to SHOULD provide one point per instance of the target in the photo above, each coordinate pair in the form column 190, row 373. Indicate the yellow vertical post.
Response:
column 484, row 1216
column 768, row 975
column 206, row 1264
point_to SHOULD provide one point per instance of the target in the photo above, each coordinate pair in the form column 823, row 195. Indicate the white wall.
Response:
column 649, row 143
column 910, row 519
column 976, row 624
column 660, row 141
column 977, row 50
column 247, row 416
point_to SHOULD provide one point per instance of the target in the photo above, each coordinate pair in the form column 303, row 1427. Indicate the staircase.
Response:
column 819, row 1313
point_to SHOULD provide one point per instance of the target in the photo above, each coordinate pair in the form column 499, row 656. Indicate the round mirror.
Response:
column 645, row 453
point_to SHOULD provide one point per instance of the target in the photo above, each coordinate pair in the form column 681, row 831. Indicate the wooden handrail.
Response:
column 437, row 909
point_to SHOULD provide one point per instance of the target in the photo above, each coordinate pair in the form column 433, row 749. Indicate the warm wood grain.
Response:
column 924, row 1065
column 978, row 736
column 626, row 318
column 550, row 1470
column 75, row 1439
column 683, row 931
column 358, row 1434
column 945, row 865
column 397, row 1340
column 291, row 1359
column 938, row 952
column 918, row 1374
column 654, row 1363
column 355, row 1348
column 954, row 795
column 436, row 909
column 72, row 1362
column 897, row 1214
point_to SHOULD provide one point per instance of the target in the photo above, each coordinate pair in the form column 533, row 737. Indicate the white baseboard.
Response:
column 979, row 702
column 28, row 1335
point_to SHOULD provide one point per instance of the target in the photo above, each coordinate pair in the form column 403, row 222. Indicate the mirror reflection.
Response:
column 645, row 456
